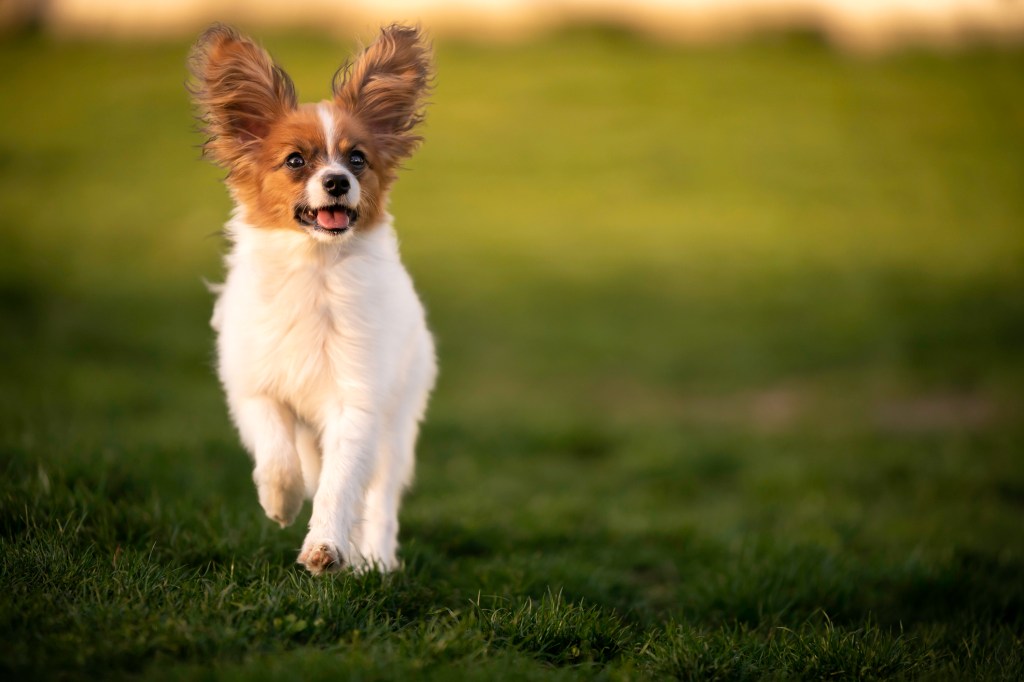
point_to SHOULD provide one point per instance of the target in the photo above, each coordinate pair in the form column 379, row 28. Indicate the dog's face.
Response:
column 324, row 168
column 317, row 170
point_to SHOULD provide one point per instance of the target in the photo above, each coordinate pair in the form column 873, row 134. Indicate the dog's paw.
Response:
column 281, row 493
column 376, row 556
column 321, row 557
column 365, row 564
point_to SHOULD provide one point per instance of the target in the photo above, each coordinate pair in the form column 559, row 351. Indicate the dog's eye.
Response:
column 295, row 160
column 357, row 160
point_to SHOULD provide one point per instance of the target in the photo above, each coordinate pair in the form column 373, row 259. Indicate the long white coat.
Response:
column 325, row 356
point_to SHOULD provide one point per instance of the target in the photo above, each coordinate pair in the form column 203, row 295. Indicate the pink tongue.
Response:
column 332, row 219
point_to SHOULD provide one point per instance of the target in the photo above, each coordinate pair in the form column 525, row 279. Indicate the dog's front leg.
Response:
column 348, row 444
column 268, row 431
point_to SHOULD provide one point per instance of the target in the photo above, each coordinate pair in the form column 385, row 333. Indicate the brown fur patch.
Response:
column 239, row 91
column 386, row 87
column 267, row 188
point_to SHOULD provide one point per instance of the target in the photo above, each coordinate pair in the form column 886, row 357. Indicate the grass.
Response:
column 731, row 341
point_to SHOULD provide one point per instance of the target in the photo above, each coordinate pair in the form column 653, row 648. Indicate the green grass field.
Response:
column 731, row 343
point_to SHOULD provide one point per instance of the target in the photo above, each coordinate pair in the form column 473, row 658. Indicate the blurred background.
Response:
column 756, row 264
column 861, row 24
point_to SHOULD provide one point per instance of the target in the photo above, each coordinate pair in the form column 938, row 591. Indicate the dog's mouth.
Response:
column 334, row 219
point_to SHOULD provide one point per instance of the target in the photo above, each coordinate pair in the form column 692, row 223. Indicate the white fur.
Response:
column 327, row 363
column 317, row 196
column 315, row 193
column 326, row 113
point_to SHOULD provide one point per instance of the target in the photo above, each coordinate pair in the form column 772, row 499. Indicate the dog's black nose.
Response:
column 336, row 185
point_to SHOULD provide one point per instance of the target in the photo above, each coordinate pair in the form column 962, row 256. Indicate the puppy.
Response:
column 322, row 343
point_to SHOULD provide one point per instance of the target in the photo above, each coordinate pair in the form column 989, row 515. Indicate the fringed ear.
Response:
column 239, row 93
column 386, row 88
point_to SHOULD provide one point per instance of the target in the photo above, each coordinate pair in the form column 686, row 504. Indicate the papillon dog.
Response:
column 322, row 343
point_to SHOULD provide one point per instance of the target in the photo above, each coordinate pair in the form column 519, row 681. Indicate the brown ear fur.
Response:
column 387, row 86
column 239, row 93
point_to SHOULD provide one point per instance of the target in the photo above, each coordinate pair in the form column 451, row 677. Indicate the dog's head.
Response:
column 321, row 168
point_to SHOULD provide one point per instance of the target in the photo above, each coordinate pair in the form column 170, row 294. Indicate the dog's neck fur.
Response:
column 277, row 250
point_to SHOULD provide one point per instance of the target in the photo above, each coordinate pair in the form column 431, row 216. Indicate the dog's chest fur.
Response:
column 297, row 321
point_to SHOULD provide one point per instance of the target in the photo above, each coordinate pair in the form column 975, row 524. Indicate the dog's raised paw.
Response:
column 320, row 558
column 280, row 495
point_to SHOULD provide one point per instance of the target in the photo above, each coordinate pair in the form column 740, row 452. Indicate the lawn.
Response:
column 731, row 345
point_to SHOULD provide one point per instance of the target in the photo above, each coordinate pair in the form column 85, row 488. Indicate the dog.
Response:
column 323, row 349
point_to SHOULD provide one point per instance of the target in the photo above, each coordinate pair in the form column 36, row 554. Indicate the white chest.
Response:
column 291, row 333
column 316, row 329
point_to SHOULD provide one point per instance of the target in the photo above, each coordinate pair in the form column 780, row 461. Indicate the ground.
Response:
column 731, row 345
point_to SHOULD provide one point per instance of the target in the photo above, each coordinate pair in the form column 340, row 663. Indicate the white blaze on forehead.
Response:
column 315, row 193
column 324, row 110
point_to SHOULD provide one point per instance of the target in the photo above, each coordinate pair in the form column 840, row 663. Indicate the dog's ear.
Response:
column 386, row 87
column 239, row 93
